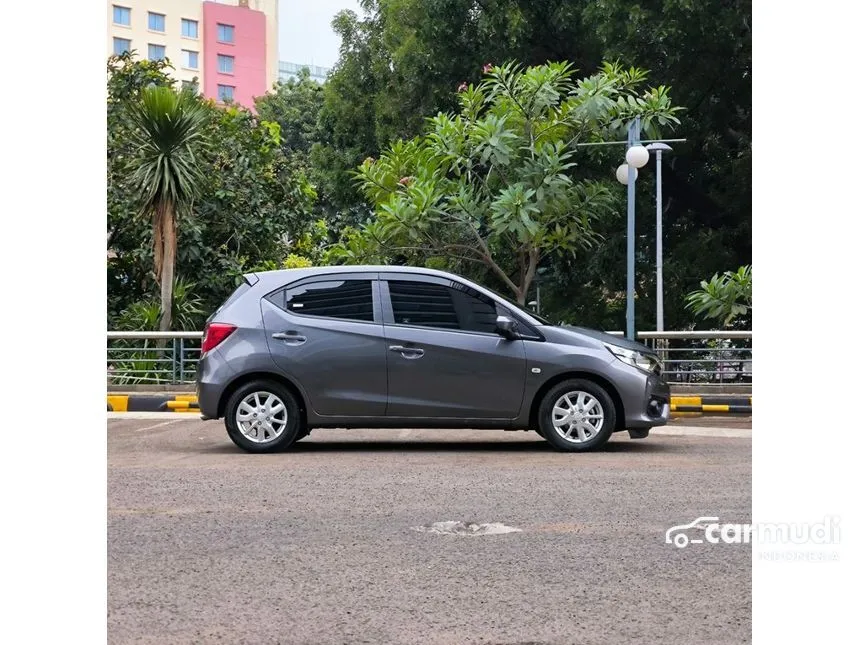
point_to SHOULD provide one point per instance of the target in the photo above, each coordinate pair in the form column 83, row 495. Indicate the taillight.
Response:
column 214, row 334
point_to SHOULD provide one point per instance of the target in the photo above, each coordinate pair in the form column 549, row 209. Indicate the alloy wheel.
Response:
column 577, row 416
column 261, row 417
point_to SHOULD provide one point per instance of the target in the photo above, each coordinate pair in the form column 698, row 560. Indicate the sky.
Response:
column 305, row 34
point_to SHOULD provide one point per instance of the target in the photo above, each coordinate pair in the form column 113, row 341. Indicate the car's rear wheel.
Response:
column 263, row 416
column 576, row 416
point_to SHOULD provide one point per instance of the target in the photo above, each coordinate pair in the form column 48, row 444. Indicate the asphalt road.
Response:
column 207, row 544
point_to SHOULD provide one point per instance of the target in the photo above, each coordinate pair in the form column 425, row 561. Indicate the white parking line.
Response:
column 157, row 425
column 702, row 431
column 188, row 416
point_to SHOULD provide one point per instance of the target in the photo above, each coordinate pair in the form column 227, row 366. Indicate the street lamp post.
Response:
column 658, row 149
column 636, row 157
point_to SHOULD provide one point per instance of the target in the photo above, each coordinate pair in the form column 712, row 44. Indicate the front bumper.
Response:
column 653, row 407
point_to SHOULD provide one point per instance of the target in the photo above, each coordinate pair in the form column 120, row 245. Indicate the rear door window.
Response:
column 344, row 299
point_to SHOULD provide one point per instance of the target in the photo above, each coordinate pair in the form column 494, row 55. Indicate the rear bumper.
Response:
column 213, row 374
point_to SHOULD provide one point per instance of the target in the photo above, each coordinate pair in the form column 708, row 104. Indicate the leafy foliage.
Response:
column 251, row 202
column 294, row 105
column 725, row 297
column 188, row 311
column 495, row 184
column 166, row 175
column 167, row 135
column 404, row 59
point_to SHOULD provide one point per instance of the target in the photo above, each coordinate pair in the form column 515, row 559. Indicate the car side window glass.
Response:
column 425, row 304
column 422, row 304
column 476, row 312
column 345, row 299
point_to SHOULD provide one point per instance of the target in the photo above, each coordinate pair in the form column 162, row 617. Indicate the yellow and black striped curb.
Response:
column 680, row 406
column 152, row 403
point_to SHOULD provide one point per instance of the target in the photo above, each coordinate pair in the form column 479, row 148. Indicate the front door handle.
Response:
column 407, row 352
column 290, row 337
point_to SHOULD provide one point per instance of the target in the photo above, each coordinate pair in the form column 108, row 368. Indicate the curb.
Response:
column 680, row 406
column 683, row 406
column 149, row 403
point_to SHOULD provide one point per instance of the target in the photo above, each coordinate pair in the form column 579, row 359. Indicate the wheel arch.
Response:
column 607, row 385
column 241, row 380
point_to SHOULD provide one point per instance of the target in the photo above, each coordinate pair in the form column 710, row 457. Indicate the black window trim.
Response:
column 388, row 308
column 373, row 278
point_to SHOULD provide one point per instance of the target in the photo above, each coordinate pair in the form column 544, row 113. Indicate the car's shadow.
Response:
column 421, row 446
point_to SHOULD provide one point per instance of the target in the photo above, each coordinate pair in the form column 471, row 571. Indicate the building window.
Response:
column 189, row 59
column 225, row 92
column 156, row 21
column 121, row 16
column 225, row 64
column 121, row 45
column 225, row 33
column 156, row 52
column 189, row 28
column 346, row 299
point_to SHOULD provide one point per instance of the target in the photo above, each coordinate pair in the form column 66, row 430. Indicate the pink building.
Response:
column 234, row 53
column 227, row 48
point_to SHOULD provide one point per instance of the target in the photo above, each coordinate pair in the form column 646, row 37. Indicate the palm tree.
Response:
column 166, row 172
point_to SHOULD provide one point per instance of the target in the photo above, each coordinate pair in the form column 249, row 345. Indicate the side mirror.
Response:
column 506, row 328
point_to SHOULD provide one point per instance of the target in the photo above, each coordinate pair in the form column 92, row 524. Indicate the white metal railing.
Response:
column 706, row 358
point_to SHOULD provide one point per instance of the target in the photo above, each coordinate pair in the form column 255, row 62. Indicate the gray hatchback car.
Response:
column 404, row 347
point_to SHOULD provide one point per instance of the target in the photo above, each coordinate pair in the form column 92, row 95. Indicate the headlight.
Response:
column 643, row 361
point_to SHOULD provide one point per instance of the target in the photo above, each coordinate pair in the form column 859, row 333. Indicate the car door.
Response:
column 444, row 358
column 326, row 333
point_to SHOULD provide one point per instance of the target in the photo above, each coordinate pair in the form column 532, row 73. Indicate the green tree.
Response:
column 725, row 297
column 130, row 271
column 294, row 105
column 404, row 59
column 252, row 203
column 166, row 172
column 495, row 184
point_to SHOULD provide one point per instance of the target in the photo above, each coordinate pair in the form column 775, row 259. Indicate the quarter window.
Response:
column 347, row 299
column 425, row 304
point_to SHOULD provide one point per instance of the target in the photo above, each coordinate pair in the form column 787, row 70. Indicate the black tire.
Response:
column 292, row 430
column 549, row 432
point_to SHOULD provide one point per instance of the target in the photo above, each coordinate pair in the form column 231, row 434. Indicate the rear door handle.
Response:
column 290, row 337
column 407, row 352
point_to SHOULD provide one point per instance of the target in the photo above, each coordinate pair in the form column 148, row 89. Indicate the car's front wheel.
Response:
column 263, row 416
column 576, row 416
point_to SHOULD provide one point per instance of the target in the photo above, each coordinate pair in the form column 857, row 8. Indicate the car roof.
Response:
column 283, row 275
